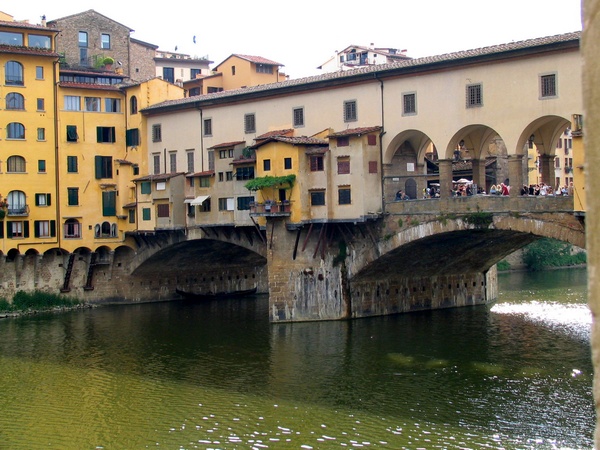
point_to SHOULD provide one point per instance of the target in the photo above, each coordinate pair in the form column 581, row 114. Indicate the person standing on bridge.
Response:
column 504, row 189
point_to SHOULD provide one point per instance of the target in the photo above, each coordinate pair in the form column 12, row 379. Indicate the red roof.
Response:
column 300, row 140
column 269, row 134
column 227, row 144
column 355, row 131
column 206, row 173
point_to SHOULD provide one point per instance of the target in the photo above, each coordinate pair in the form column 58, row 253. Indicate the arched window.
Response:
column 133, row 106
column 105, row 229
column 15, row 100
column 113, row 230
column 16, row 203
column 72, row 229
column 13, row 71
column 16, row 164
column 15, row 130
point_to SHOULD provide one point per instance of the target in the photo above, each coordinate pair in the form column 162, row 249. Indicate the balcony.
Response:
column 18, row 211
column 270, row 209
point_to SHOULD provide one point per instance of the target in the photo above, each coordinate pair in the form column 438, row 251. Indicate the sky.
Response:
column 306, row 34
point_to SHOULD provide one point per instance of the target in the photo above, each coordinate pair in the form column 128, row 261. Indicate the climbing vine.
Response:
column 270, row 182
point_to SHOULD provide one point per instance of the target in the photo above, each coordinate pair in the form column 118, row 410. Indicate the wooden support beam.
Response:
column 272, row 232
column 296, row 243
column 307, row 236
column 262, row 238
column 319, row 240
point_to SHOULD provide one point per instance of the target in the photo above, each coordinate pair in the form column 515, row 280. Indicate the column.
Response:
column 515, row 174
column 478, row 172
column 445, row 166
column 547, row 169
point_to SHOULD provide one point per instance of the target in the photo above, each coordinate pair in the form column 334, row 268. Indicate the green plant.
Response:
column 342, row 253
column 260, row 183
column 400, row 223
column 414, row 222
column 551, row 253
column 503, row 265
column 23, row 301
column 479, row 219
column 108, row 61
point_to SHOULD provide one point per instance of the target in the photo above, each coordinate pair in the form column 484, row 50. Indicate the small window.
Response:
column 344, row 196
column 249, row 123
column 112, row 105
column 73, row 196
column 207, row 127
column 298, row 117
column 156, row 133
column 474, row 95
column 162, row 210
column 105, row 41
column 44, row 228
column 105, row 134
column 350, row 114
column 13, row 73
column 42, row 200
column 146, row 187
column 83, row 39
column 243, row 203
column 92, row 104
column 287, row 163
column 72, row 133
column 316, row 163
column 343, row 141
column 317, row 198
column 72, row 164
column 204, row 182
column 221, row 176
column 226, row 204
column 229, row 176
column 133, row 105
column 146, row 214
column 409, row 104
column 244, row 173
column 173, row 162
column 343, row 165
column 41, row 165
column 371, row 139
column 72, row 229
column 41, row 105
column 548, row 86
column 232, row 70
column 373, row 167
column 266, row 165
column 190, row 161
column 39, row 73
column 132, row 137
column 131, row 215
column 156, row 163
column 103, row 167
column 41, row 134
column 72, row 103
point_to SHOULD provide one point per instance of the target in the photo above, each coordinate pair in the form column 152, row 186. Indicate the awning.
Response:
column 196, row 201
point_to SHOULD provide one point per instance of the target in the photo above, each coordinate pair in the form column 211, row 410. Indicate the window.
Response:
column 72, row 103
column 15, row 164
column 17, row 229
column 146, row 214
column 133, row 105
column 105, row 41
column 42, row 200
column 39, row 73
column 229, row 176
column 350, row 114
column 409, row 104
column 135, row 169
column 204, row 182
column 190, row 161
column 131, row 214
column 373, row 167
column 72, row 164
column 243, row 203
column 109, row 203
column 298, row 117
column 173, row 162
column 83, row 39
column 72, row 196
column 169, row 74
column 244, row 173
column 13, row 73
column 132, row 137
column 41, row 134
column 41, row 106
column 39, row 41
column 205, row 207
column 474, row 95
column 224, row 154
column 156, row 133
column 317, row 198
column 249, row 123
column 156, row 163
column 344, row 197
column 226, row 204
column 103, row 166
column 105, row 134
column 316, row 163
column 207, row 127
column 72, row 229
column 371, row 139
column 92, row 104
column 41, row 165
column 264, row 68
column 72, row 133
column 194, row 73
column 161, row 186
column 343, row 165
column 15, row 101
column 10, row 38
column 221, row 176
column 16, row 203
column 343, row 141
column 266, row 165
column 211, row 160
column 548, row 86
column 232, row 70
column 44, row 228
column 112, row 105
column 146, row 187
column 15, row 130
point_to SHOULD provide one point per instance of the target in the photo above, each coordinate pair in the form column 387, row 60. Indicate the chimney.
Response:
column 44, row 20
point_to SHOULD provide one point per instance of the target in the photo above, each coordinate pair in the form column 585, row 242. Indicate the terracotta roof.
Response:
column 227, row 144
column 257, row 59
column 130, row 205
column 355, row 131
column 300, row 140
column 206, row 173
column 244, row 161
column 397, row 68
column 269, row 134
column 99, row 87
column 159, row 177
column 36, row 51
column 18, row 24
column 123, row 162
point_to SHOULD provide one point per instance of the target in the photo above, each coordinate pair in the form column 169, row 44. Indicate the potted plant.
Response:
column 108, row 62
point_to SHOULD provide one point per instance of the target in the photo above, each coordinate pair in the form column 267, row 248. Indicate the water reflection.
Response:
column 218, row 375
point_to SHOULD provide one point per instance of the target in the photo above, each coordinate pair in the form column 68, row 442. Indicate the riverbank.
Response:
column 24, row 303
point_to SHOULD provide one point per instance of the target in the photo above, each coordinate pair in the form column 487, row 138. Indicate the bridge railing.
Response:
column 488, row 203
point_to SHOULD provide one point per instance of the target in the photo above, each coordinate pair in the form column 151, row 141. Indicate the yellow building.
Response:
column 578, row 188
column 28, row 175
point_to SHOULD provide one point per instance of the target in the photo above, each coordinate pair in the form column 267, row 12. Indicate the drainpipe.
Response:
column 381, row 145
column 201, row 140
column 56, row 153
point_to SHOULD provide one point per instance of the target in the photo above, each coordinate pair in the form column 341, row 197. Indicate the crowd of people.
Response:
column 545, row 189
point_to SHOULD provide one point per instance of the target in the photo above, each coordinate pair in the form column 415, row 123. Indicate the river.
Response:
column 218, row 375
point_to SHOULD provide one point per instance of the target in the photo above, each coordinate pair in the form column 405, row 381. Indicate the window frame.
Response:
column 350, row 111
column 344, row 195
column 409, row 104
column 105, row 43
column 14, row 101
column 548, row 91
column 317, row 198
column 207, row 126
column 298, row 116
column 16, row 131
column 156, row 132
column 16, row 164
column 106, row 135
column 13, row 73
column 249, row 123
column 474, row 95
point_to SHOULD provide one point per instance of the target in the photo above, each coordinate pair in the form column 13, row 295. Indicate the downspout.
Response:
column 381, row 145
column 56, row 154
column 201, row 140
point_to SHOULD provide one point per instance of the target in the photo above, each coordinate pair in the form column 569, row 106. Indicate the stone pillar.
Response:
column 445, row 166
column 515, row 174
column 591, row 98
column 421, row 181
column 479, row 172
column 547, row 169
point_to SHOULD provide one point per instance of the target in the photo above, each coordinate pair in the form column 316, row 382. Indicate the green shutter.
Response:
column 1, row 229
column 9, row 228
column 26, row 228
column 37, row 202
column 36, row 228
column 146, row 187
column 53, row 228
column 98, row 165
column 48, row 199
column 109, row 203
column 146, row 213
column 99, row 134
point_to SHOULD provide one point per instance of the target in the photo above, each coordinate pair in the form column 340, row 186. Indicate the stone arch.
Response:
column 417, row 141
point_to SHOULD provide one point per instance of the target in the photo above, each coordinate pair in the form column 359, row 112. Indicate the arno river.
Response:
column 218, row 375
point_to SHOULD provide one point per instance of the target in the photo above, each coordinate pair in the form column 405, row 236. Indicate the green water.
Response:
column 217, row 375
